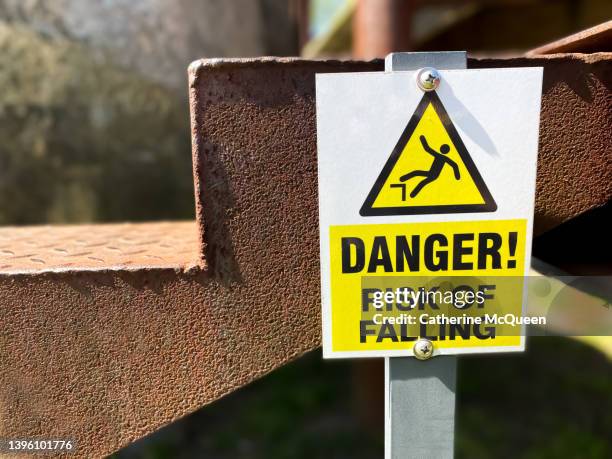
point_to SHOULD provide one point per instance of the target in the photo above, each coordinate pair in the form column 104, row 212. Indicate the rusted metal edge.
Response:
column 592, row 40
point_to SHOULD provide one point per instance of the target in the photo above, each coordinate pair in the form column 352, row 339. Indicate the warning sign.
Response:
column 426, row 210
column 429, row 171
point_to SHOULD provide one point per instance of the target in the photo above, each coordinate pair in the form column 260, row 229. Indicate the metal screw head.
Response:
column 423, row 349
column 428, row 79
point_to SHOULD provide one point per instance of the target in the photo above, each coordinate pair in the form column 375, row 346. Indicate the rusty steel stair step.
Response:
column 78, row 248
column 105, row 352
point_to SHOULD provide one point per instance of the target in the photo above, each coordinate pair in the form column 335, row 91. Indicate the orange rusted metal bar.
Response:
column 593, row 40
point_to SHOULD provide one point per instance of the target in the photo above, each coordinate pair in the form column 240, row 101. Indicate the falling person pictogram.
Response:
column 428, row 144
column 440, row 160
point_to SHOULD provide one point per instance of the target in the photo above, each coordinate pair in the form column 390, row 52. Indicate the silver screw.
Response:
column 423, row 349
column 428, row 79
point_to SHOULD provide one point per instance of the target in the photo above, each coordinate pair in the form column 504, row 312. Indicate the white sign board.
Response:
column 425, row 197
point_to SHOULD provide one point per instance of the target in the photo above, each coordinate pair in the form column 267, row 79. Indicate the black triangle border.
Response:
column 488, row 206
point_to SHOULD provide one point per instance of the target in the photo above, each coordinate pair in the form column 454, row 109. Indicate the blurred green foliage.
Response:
column 83, row 140
column 554, row 401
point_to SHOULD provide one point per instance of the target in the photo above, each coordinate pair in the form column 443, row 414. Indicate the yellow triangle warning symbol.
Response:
column 429, row 171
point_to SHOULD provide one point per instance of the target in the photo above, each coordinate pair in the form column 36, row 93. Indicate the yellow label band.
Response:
column 388, row 287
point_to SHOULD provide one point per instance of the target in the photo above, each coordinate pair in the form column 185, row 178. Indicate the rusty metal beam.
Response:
column 593, row 40
column 106, row 353
column 574, row 159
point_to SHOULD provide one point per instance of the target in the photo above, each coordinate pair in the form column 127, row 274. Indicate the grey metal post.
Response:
column 420, row 395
